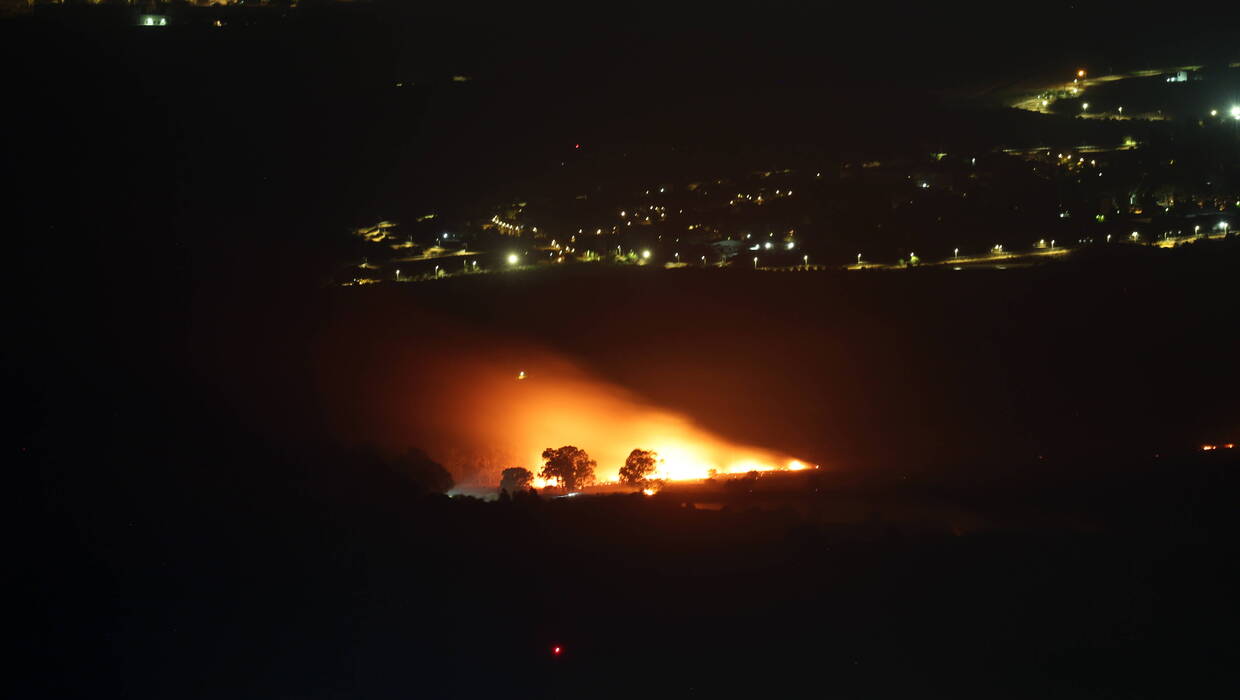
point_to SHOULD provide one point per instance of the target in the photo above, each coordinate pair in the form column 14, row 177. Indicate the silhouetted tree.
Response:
column 425, row 472
column 529, row 495
column 513, row 480
column 568, row 465
column 638, row 467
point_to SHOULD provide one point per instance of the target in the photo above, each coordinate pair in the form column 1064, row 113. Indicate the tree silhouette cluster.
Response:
column 638, row 467
column 570, row 466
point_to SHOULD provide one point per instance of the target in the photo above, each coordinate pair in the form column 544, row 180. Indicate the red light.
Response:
column 556, row 650
column 576, row 145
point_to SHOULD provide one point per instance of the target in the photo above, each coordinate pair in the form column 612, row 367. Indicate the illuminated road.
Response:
column 1042, row 98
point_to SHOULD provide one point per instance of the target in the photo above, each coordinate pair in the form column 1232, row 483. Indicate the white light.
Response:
column 1084, row 105
column 768, row 245
column 512, row 258
column 646, row 254
column 1222, row 225
column 1235, row 112
column 791, row 245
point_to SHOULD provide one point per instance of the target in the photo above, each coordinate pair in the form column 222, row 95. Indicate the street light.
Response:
column 645, row 255
column 858, row 258
column 755, row 262
column 956, row 253
column 512, row 258
column 398, row 274
column 806, row 259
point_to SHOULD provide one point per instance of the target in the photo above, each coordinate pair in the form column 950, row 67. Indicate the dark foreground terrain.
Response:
column 342, row 584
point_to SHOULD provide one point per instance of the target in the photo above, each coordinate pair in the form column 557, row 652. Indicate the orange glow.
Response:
column 458, row 396
column 1208, row 448
column 1229, row 446
column 1080, row 73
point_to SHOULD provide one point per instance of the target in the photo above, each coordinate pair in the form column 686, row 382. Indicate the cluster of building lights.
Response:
column 511, row 229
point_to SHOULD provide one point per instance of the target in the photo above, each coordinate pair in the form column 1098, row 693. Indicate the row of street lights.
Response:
column 514, row 259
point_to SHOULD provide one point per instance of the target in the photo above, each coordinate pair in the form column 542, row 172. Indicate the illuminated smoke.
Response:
column 466, row 402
